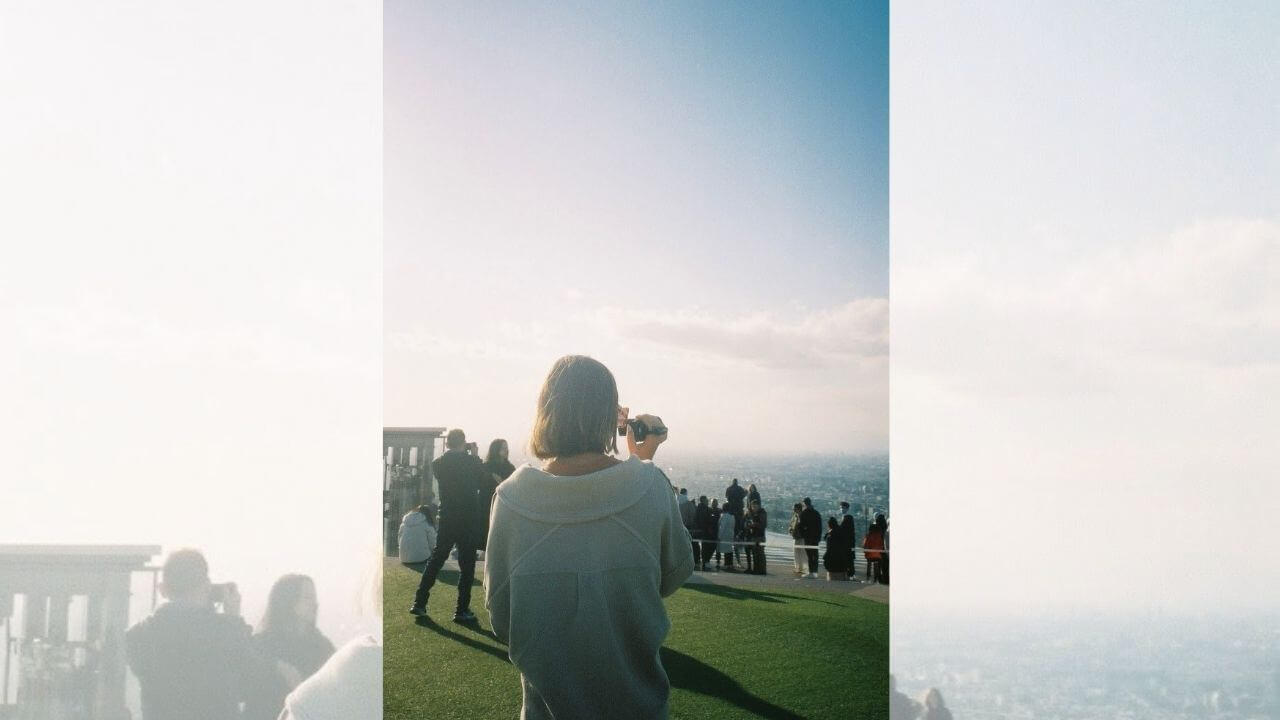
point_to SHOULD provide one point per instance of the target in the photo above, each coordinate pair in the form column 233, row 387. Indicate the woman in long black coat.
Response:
column 836, row 558
column 498, row 468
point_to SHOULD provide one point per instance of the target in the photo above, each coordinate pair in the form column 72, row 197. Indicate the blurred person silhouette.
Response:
column 901, row 707
column 498, row 466
column 849, row 529
column 756, row 522
column 349, row 685
column 713, row 530
column 726, row 536
column 794, row 529
column 934, row 708
column 734, row 504
column 836, row 559
column 575, row 589
column 872, row 546
column 753, row 495
column 706, row 535
column 689, row 516
column 194, row 657
column 417, row 536
column 460, row 475
column 289, row 637
column 811, row 532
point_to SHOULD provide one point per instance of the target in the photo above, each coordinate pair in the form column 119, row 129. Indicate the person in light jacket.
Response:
column 417, row 536
column 726, row 536
column 581, row 552
column 794, row 529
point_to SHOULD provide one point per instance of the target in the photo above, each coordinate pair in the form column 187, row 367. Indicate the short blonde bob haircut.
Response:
column 577, row 410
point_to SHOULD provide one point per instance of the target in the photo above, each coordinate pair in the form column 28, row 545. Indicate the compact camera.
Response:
column 219, row 593
column 638, row 428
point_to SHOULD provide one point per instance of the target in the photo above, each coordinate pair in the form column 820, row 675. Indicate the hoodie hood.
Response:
column 565, row 499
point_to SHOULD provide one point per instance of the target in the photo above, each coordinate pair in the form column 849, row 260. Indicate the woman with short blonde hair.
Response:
column 581, row 552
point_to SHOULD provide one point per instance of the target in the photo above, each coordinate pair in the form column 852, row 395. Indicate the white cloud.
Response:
column 850, row 333
column 1127, row 387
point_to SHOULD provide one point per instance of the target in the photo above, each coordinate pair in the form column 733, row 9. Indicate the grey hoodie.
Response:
column 574, row 579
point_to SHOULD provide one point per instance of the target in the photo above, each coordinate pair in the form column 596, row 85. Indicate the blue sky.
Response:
column 697, row 195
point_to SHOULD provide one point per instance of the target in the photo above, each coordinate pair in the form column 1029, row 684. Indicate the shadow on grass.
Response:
column 691, row 674
column 740, row 593
column 446, row 576
column 428, row 623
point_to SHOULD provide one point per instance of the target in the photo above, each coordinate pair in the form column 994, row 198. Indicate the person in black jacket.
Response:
column 836, row 559
column 849, row 529
column 704, row 534
column 194, row 656
column 756, row 522
column 713, row 532
column 811, row 531
column 734, row 495
column 460, row 476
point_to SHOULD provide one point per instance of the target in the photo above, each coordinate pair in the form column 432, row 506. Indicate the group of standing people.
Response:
column 196, row 657
column 807, row 530
column 720, row 531
column 467, row 485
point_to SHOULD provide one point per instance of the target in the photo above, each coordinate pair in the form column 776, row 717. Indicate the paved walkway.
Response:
column 780, row 577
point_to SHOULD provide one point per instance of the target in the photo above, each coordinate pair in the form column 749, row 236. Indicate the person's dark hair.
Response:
column 881, row 522
column 684, row 491
column 281, row 615
column 735, row 481
column 752, row 488
column 492, row 457
column 456, row 439
column 807, row 502
column 797, row 507
column 844, row 505
column 577, row 410
column 831, row 523
column 715, row 502
column 702, row 499
column 183, row 571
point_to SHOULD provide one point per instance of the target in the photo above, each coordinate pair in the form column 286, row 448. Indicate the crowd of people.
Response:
column 580, row 551
column 735, row 530
column 196, row 658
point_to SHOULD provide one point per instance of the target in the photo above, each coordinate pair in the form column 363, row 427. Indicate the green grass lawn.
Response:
column 731, row 653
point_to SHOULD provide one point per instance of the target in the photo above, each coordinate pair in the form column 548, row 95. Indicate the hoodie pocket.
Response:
column 542, row 611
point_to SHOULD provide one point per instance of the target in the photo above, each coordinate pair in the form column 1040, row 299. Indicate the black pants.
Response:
column 708, row 548
column 812, row 555
column 758, row 551
column 450, row 535
column 738, row 524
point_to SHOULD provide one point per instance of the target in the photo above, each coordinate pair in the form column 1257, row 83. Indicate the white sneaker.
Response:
column 812, row 575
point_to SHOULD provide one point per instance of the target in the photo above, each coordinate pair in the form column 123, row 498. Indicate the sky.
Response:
column 696, row 195
column 190, row 298
column 1086, row 297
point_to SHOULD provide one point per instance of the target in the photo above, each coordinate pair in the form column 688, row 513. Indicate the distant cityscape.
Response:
column 861, row 480
column 1136, row 669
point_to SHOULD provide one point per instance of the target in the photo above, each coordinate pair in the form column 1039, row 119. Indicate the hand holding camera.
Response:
column 644, row 433
column 227, row 597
